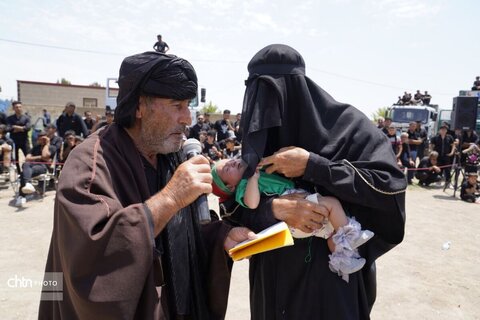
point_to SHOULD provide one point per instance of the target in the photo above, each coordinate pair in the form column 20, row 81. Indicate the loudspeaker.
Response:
column 464, row 113
column 203, row 93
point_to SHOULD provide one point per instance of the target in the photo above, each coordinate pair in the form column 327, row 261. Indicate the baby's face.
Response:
column 231, row 171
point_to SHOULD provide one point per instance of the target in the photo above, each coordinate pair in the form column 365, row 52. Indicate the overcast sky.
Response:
column 363, row 52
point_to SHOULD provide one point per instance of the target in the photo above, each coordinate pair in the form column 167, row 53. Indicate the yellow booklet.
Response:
column 274, row 237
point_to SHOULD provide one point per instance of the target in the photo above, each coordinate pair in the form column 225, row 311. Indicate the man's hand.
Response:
column 191, row 179
column 237, row 235
column 299, row 213
column 289, row 161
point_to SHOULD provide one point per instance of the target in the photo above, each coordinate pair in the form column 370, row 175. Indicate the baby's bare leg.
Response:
column 336, row 216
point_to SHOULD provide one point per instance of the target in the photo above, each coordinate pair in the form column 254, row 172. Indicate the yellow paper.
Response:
column 274, row 237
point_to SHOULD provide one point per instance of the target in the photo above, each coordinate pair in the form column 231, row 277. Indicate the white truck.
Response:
column 402, row 115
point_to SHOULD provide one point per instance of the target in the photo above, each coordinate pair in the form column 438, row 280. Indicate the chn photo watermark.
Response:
column 26, row 286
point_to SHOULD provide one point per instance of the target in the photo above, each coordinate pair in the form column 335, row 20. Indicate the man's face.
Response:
column 70, row 110
column 239, row 117
column 380, row 122
column 442, row 131
column 200, row 119
column 387, row 122
column 391, row 131
column 163, row 123
column 88, row 115
column 109, row 118
column 51, row 131
column 412, row 126
column 17, row 109
column 433, row 161
column 226, row 116
column 472, row 179
column 231, row 171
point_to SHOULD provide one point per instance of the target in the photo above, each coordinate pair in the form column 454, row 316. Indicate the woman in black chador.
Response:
column 335, row 150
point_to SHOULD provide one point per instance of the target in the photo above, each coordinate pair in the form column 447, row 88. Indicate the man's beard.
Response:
column 160, row 144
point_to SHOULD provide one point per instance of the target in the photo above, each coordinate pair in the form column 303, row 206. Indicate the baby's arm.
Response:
column 252, row 193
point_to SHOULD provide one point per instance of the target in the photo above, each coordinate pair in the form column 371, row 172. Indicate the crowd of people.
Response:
column 57, row 139
column 417, row 99
column 221, row 139
column 448, row 147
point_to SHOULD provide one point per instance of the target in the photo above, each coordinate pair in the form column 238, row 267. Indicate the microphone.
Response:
column 191, row 148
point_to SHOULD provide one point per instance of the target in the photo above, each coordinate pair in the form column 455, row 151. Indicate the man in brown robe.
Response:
column 126, row 238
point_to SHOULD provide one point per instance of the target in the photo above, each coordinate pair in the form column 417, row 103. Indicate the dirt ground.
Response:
column 433, row 274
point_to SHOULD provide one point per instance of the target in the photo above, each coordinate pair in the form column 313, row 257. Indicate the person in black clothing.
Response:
column 406, row 158
column 55, row 140
column 476, row 84
column 211, row 149
column 70, row 120
column 223, row 127
column 161, row 46
column 18, row 125
column 431, row 172
column 36, row 163
column 470, row 190
column 443, row 143
column 231, row 151
column 417, row 97
column 422, row 134
column 198, row 127
column 206, row 121
column 387, row 122
column 238, row 129
column 426, row 98
column 89, row 121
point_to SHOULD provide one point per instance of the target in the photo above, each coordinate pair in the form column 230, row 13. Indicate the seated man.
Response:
column 70, row 141
column 6, row 146
column 36, row 163
column 470, row 191
column 431, row 172
column 426, row 98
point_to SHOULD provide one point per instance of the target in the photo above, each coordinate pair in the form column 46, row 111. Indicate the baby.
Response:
column 347, row 234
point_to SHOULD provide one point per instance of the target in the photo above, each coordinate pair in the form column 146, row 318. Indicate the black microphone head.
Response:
column 191, row 147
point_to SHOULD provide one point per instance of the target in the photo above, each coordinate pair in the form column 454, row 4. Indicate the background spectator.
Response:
column 431, row 172
column 414, row 142
column 18, row 125
column 406, row 156
column 70, row 120
column 211, row 149
column 198, row 127
column 470, row 190
column 476, row 84
column 47, row 119
column 36, row 163
column 89, row 121
column 160, row 45
column 422, row 134
column 426, row 98
column 238, row 129
column 223, row 127
column 443, row 143
column 231, row 151
column 6, row 146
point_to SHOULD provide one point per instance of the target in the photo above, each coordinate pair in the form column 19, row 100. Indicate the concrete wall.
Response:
column 36, row 96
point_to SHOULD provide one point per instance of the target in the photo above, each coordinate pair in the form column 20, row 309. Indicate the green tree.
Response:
column 380, row 112
column 95, row 84
column 64, row 81
column 210, row 108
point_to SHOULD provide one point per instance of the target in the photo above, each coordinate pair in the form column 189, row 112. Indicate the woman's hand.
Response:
column 299, row 213
column 289, row 161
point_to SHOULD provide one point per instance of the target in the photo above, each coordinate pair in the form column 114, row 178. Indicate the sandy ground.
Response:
column 416, row 280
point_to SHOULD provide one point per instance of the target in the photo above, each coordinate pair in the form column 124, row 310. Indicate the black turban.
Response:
column 156, row 74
